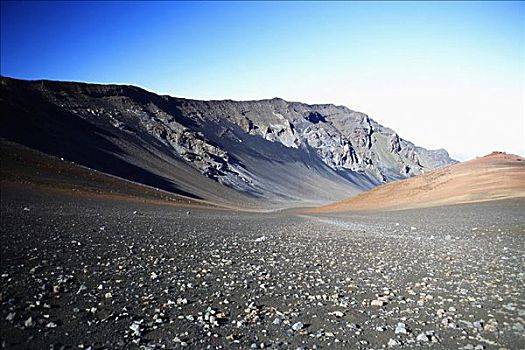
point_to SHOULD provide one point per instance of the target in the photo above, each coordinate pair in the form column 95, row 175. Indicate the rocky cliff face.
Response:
column 345, row 140
column 237, row 144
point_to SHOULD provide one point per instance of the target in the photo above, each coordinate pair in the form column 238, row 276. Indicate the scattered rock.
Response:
column 393, row 342
column 423, row 337
column 297, row 326
column 29, row 322
column 378, row 302
column 401, row 329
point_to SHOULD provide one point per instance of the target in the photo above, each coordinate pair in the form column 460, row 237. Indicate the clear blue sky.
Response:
column 439, row 73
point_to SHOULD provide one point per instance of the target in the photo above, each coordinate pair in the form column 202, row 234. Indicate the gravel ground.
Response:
column 92, row 274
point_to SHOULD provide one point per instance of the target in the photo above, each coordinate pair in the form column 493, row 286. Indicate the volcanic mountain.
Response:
column 243, row 153
column 492, row 177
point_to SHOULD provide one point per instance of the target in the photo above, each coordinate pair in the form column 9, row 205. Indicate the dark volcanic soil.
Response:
column 91, row 272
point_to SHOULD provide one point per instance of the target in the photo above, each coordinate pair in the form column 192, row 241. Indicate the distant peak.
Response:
column 502, row 156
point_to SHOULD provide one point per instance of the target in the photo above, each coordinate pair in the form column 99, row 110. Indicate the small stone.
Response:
column 478, row 324
column 377, row 302
column 135, row 327
column 422, row 337
column 297, row 326
column 446, row 321
column 401, row 328
column 29, row 322
column 213, row 320
column 182, row 301
column 392, row 342
column 490, row 327
column 82, row 288
column 51, row 325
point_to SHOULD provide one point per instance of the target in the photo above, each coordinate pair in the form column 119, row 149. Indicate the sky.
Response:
column 441, row 74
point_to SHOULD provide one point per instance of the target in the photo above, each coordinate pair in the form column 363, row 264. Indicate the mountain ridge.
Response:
column 269, row 149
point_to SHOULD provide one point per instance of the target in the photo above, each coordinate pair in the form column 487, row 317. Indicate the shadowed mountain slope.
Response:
column 25, row 170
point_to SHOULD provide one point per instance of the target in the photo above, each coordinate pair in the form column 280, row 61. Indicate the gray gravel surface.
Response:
column 86, row 273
